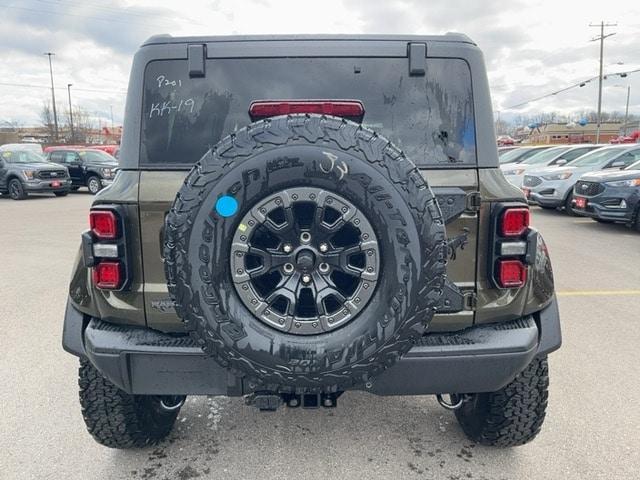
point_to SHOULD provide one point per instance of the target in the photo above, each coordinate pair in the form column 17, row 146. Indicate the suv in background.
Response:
column 520, row 154
column 551, row 157
column 610, row 196
column 87, row 167
column 260, row 242
column 23, row 172
column 553, row 187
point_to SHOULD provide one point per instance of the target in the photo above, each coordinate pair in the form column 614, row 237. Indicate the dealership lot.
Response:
column 590, row 432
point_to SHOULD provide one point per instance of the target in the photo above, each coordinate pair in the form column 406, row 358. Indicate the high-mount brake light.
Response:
column 104, row 224
column 352, row 109
column 514, row 222
column 511, row 273
column 108, row 275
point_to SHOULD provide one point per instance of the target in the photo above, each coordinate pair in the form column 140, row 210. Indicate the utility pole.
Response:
column 626, row 110
column 111, row 110
column 73, row 135
column 602, row 36
column 53, row 94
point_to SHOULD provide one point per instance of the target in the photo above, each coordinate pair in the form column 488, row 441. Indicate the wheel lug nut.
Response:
column 306, row 278
column 287, row 248
column 324, row 248
column 288, row 268
column 305, row 237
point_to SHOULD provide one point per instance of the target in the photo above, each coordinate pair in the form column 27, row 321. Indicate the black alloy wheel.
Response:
column 305, row 260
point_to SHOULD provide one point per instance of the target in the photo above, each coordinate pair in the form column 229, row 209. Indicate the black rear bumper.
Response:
column 482, row 358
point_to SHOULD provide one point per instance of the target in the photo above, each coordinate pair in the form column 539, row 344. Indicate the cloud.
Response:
column 530, row 48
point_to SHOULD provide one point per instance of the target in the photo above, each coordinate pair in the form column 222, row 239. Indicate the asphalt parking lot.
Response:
column 591, row 429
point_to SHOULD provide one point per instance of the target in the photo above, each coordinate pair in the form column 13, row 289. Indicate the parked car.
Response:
column 521, row 154
column 551, row 157
column 110, row 149
column 553, row 187
column 89, row 168
column 610, row 196
column 503, row 150
column 23, row 172
column 32, row 147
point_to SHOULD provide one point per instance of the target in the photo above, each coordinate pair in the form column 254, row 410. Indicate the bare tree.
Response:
column 46, row 118
column 83, row 125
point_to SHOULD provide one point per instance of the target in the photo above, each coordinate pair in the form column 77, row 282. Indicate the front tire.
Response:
column 568, row 207
column 94, row 184
column 16, row 190
column 117, row 419
column 511, row 416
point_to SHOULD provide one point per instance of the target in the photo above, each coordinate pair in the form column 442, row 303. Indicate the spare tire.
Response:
column 306, row 253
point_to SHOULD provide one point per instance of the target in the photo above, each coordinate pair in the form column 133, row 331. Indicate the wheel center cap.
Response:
column 305, row 260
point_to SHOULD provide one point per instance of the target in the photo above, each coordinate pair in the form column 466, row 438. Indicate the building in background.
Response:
column 560, row 133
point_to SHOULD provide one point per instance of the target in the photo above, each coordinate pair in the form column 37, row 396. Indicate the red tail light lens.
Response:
column 514, row 222
column 107, row 275
column 338, row 108
column 104, row 224
column 511, row 273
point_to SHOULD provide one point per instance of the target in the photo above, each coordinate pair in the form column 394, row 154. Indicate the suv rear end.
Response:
column 482, row 324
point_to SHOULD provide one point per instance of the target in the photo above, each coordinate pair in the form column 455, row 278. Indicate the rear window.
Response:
column 430, row 117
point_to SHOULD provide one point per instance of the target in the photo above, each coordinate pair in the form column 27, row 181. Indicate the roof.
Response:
column 449, row 37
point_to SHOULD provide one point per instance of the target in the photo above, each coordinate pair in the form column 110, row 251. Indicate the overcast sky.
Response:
column 531, row 48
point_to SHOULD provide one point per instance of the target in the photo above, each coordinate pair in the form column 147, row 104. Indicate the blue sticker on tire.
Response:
column 226, row 206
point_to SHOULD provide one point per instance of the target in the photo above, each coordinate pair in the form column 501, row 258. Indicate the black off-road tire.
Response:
column 117, row 419
column 637, row 220
column 511, row 416
column 286, row 152
column 16, row 190
column 568, row 209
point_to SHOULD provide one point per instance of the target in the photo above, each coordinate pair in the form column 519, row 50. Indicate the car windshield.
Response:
column 96, row 156
column 633, row 166
column 596, row 157
column 511, row 155
column 22, row 156
column 430, row 117
column 545, row 156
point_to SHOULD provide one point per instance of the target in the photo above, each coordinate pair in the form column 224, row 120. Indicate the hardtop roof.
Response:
column 449, row 37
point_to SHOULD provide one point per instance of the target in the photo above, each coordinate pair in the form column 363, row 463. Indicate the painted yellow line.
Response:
column 596, row 293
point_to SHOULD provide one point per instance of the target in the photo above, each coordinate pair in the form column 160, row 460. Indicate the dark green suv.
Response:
column 295, row 217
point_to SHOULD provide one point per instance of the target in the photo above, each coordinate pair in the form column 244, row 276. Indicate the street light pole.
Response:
column 601, row 38
column 53, row 94
column 626, row 110
column 73, row 135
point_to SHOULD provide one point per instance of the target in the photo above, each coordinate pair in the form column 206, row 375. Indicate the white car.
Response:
column 552, row 157
column 32, row 147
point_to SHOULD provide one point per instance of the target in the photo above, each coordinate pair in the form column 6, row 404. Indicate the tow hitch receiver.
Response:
column 270, row 401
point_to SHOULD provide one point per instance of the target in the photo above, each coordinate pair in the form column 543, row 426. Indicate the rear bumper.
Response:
column 482, row 358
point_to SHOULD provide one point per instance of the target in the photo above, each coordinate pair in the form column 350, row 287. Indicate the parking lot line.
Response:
column 596, row 293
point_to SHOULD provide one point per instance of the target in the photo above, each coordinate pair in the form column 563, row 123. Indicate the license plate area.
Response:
column 581, row 202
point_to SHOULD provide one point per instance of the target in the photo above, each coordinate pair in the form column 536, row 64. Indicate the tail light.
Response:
column 108, row 275
column 514, row 222
column 104, row 224
column 351, row 109
column 508, row 264
column 511, row 273
column 104, row 247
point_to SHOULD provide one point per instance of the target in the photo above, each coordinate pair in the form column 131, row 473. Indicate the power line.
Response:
column 67, row 14
column 575, row 85
column 26, row 85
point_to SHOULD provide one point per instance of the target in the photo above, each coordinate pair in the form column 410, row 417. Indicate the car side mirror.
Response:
column 618, row 164
column 561, row 162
